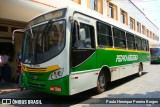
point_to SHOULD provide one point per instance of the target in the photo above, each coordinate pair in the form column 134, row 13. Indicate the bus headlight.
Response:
column 56, row 74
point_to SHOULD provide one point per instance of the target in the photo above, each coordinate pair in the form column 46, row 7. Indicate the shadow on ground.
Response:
column 8, row 85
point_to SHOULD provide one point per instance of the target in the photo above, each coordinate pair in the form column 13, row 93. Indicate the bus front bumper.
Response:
column 59, row 86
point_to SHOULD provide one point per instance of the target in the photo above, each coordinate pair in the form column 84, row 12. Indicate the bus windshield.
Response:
column 155, row 51
column 43, row 42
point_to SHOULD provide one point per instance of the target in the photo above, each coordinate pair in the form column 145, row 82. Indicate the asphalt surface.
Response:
column 131, row 88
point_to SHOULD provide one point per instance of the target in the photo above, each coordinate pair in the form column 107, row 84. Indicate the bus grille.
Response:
column 38, row 86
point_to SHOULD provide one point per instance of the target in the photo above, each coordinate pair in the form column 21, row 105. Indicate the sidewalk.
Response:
column 8, row 88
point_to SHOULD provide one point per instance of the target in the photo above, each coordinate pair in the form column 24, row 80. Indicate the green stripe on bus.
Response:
column 112, row 58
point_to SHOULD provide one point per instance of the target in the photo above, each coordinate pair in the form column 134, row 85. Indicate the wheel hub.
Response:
column 101, row 81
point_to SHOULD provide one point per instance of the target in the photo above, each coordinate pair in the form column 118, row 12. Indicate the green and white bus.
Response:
column 155, row 55
column 70, row 50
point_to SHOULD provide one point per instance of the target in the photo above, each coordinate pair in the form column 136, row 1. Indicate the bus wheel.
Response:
column 140, row 70
column 101, row 83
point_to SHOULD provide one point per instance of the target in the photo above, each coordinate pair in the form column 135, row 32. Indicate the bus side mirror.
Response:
column 82, row 34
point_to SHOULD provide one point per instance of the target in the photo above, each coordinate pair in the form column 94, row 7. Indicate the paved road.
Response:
column 146, row 86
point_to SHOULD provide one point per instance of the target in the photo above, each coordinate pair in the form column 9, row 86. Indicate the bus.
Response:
column 155, row 55
column 69, row 50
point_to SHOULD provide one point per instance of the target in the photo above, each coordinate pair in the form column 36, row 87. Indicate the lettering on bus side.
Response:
column 124, row 58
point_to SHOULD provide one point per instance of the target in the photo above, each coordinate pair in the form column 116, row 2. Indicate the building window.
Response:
column 147, row 33
column 143, row 29
column 77, row 1
column 153, row 36
column 138, row 27
column 124, row 17
column 157, row 38
column 132, row 23
column 112, row 11
column 150, row 34
column 94, row 5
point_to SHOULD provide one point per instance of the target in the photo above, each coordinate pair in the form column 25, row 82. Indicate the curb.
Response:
column 5, row 91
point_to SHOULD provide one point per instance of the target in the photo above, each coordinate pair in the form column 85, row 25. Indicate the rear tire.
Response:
column 140, row 70
column 101, row 83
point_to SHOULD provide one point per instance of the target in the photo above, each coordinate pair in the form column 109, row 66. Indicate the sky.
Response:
column 151, row 8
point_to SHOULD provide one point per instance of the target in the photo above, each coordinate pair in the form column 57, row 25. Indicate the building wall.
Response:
column 6, row 37
column 132, row 12
column 137, row 15
column 15, row 15
column 14, row 12
column 8, row 11
column 103, row 8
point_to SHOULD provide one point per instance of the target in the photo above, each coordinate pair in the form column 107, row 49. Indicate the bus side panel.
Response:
column 83, row 81
column 127, row 70
column 115, row 57
column 84, row 76
column 145, row 60
column 123, row 62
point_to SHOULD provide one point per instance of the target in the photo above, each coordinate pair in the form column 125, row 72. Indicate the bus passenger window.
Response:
column 130, row 41
column 87, row 41
column 138, row 43
column 104, row 35
column 82, row 36
column 145, row 45
column 119, row 38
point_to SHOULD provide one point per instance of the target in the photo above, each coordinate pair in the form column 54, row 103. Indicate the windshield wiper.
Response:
column 32, row 37
column 44, row 32
column 31, row 32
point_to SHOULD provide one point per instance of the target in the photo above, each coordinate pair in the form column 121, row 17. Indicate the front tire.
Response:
column 101, row 83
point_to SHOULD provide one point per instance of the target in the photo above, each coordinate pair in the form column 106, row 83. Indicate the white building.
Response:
column 126, row 13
